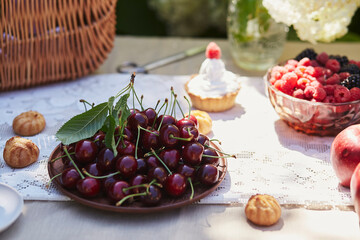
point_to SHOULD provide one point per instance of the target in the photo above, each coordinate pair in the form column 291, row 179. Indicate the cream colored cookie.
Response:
column 204, row 121
column 20, row 152
column 29, row 123
column 263, row 210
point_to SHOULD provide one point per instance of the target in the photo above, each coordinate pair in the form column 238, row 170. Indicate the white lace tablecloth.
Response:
column 271, row 157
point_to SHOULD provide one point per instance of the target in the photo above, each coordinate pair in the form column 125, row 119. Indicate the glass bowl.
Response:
column 313, row 118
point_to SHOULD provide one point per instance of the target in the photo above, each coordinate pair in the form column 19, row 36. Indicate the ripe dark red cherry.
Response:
column 168, row 135
column 189, row 132
column 98, row 139
column 69, row 178
column 187, row 171
column 170, row 157
column 153, row 198
column 151, row 115
column 85, row 151
column 152, row 162
column 127, row 166
column 192, row 153
column 150, row 140
column 167, row 120
column 137, row 180
column 210, row 160
column 116, row 191
column 88, row 187
column 141, row 166
column 194, row 119
column 106, row 160
column 208, row 174
column 175, row 185
column 94, row 169
column 185, row 122
column 203, row 140
column 136, row 119
column 158, row 173
column 126, row 148
column 109, row 181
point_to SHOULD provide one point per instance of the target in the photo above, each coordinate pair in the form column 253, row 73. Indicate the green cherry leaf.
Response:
column 109, row 137
column 84, row 125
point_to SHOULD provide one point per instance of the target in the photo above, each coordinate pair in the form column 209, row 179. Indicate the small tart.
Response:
column 204, row 121
column 212, row 104
column 263, row 210
column 20, row 152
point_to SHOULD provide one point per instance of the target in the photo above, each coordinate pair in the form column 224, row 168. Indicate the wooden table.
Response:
column 70, row 220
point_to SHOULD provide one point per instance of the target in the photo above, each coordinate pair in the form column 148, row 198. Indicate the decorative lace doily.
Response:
column 271, row 157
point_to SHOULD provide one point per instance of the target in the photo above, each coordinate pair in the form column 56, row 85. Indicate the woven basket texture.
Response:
column 46, row 41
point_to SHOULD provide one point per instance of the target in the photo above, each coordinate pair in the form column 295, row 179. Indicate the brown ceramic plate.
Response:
column 167, row 203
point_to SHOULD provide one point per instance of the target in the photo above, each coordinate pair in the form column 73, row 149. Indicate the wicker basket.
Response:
column 47, row 41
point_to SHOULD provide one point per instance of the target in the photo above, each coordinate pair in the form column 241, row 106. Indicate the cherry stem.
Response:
column 53, row 160
column 72, row 161
column 150, row 153
column 132, row 79
column 162, row 162
column 157, row 105
column 137, row 142
column 137, row 98
column 192, row 188
column 130, row 196
column 179, row 138
column 86, row 102
column 189, row 106
column 217, row 150
column 57, row 175
column 177, row 102
column 173, row 107
column 141, row 102
column 162, row 119
column 171, row 100
column 99, row 177
column 147, row 130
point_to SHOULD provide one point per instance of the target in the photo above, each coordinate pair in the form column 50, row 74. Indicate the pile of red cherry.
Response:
column 157, row 157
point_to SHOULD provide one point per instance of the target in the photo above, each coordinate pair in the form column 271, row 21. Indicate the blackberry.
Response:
column 352, row 81
column 350, row 68
column 308, row 52
column 343, row 60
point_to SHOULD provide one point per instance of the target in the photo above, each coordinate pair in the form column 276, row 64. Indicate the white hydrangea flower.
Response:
column 314, row 20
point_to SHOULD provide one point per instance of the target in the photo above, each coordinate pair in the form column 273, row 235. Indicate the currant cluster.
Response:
column 156, row 156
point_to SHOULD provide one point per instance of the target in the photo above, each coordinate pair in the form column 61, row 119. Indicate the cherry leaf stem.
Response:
column 99, row 177
column 130, row 196
column 189, row 106
column 51, row 179
column 53, row 160
column 162, row 162
column 192, row 188
column 72, row 161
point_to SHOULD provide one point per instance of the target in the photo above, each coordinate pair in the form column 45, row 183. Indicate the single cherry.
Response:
column 192, row 153
column 107, row 182
column 127, row 134
column 168, row 135
column 185, row 122
column 106, row 160
column 137, row 180
column 94, row 169
column 194, row 119
column 203, row 140
column 158, row 173
column 209, row 160
column 150, row 140
column 126, row 148
column 152, row 162
column 151, row 115
column 88, row 187
column 98, row 139
column 208, row 174
column 137, row 119
column 167, row 119
column 116, row 191
column 85, row 151
column 187, row 171
column 127, row 166
column 141, row 166
column 175, row 185
column 153, row 197
column 69, row 178
column 189, row 132
column 170, row 157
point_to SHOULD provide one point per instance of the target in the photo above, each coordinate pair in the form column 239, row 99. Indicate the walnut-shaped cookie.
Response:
column 263, row 210
column 29, row 123
column 20, row 152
